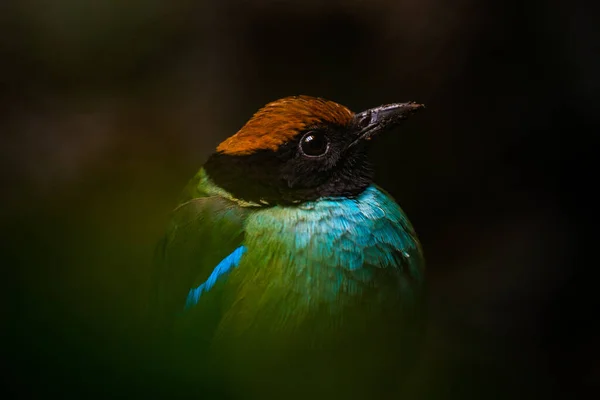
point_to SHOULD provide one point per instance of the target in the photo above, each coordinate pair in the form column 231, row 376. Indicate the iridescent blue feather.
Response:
column 221, row 270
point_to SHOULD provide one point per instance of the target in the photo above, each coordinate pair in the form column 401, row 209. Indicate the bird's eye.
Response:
column 314, row 144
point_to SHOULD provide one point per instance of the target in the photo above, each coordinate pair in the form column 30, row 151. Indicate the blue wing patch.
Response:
column 223, row 268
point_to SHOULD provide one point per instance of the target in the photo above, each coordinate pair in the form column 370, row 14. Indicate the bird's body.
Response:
column 277, row 285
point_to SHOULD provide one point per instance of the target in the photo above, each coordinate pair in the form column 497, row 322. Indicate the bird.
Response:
column 285, row 271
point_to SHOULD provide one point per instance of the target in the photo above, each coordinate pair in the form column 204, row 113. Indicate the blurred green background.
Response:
column 107, row 108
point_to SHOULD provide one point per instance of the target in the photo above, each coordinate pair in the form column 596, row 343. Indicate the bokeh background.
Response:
column 107, row 108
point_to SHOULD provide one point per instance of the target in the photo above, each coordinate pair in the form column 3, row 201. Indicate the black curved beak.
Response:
column 375, row 120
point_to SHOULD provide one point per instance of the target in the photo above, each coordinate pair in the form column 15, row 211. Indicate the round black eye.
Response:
column 314, row 144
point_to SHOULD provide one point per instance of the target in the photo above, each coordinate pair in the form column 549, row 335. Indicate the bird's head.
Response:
column 302, row 148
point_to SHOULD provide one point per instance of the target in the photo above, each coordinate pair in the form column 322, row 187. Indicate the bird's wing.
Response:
column 203, row 241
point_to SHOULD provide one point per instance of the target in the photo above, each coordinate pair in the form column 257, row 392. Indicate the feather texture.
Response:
column 220, row 271
column 322, row 254
column 267, row 285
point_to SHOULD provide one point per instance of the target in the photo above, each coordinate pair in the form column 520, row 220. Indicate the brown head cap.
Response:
column 280, row 121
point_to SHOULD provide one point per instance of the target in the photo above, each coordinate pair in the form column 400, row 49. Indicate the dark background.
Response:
column 108, row 108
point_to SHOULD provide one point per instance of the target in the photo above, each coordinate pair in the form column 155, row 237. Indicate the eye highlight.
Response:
column 314, row 144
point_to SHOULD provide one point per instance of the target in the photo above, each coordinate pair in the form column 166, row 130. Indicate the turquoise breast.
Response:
column 321, row 252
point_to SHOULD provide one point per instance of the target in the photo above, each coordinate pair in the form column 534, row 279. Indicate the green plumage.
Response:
column 323, row 301
column 286, row 273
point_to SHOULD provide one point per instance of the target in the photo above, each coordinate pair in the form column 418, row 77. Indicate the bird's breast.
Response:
column 323, row 255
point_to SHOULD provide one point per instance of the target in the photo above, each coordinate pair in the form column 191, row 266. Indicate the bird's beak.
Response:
column 370, row 122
